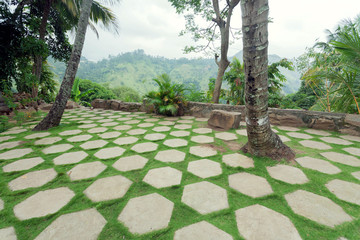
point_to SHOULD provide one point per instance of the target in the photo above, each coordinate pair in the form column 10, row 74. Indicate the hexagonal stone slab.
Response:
column 259, row 222
column 23, row 164
column 85, row 224
column 286, row 128
column 317, row 208
column 70, row 158
column 284, row 139
column 154, row 136
column 351, row 138
column 356, row 175
column 108, row 188
column 299, row 135
column 205, row 197
column 80, row 138
column 315, row 145
column 202, row 151
column 107, row 153
column 353, row 151
column 32, row 179
column 317, row 132
column 201, row 231
column 130, row 163
column 86, row 170
column 204, row 168
column 98, row 130
column 202, row 139
column 238, row 160
column 342, row 158
column 318, row 165
column 170, row 156
column 57, row 148
column 163, row 177
column 177, row 142
column 179, row 133
column 8, row 145
column 122, row 127
column 288, row 174
column 346, row 191
column 8, row 233
column 137, row 131
column 43, row 203
column 166, row 123
column 1, row 204
column 182, row 126
column 92, row 125
column 226, row 136
column 93, row 144
column 249, row 184
column 146, row 213
column 15, row 153
column 145, row 125
column 202, row 130
column 48, row 141
column 145, row 147
column 70, row 132
column 335, row 140
column 37, row 135
column 125, row 140
column 161, row 129
column 185, row 121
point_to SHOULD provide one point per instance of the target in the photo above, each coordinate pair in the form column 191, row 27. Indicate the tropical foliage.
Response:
column 169, row 98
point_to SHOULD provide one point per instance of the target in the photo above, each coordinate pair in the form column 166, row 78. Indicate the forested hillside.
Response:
column 136, row 70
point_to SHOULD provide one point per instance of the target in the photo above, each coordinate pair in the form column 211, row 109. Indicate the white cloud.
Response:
column 153, row 25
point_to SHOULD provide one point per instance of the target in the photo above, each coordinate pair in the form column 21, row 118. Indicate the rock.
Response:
column 225, row 120
column 72, row 105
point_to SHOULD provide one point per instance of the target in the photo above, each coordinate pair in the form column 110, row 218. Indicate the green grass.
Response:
column 182, row 214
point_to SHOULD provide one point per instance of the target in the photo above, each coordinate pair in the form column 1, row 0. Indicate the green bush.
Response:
column 126, row 94
column 100, row 92
column 169, row 99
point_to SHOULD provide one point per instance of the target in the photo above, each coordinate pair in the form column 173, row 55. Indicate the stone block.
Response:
column 225, row 120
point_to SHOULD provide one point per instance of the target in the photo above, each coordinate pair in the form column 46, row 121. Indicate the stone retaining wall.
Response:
column 344, row 123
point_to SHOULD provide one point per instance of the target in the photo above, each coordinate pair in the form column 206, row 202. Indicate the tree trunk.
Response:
column 54, row 116
column 37, row 67
column 224, row 36
column 262, row 141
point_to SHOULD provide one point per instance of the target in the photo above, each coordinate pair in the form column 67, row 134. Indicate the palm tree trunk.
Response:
column 262, row 141
column 54, row 116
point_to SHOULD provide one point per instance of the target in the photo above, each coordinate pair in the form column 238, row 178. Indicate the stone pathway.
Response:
column 120, row 175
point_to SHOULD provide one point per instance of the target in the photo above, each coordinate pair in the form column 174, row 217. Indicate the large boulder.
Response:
column 225, row 120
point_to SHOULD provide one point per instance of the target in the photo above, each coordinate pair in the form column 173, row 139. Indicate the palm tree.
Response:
column 262, row 141
column 53, row 118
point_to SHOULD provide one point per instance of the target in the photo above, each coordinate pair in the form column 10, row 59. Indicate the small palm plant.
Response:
column 169, row 99
column 77, row 95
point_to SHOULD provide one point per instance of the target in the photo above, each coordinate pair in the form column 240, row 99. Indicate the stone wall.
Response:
column 344, row 123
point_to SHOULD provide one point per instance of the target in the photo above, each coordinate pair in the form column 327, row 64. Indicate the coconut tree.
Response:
column 262, row 141
column 53, row 118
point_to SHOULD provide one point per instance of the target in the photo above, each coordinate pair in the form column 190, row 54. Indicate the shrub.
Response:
column 100, row 91
column 126, row 94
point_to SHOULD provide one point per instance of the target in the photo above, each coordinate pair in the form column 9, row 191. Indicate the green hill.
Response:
column 136, row 70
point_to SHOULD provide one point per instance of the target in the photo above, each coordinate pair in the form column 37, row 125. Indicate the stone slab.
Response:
column 318, row 132
column 226, row 136
column 70, row 132
column 346, row 191
column 288, row 174
column 23, row 164
column 170, row 156
column 125, row 140
column 259, row 222
column 242, row 132
column 180, row 133
column 98, row 130
column 108, row 188
column 201, row 231
column 299, row 135
column 107, row 153
column 204, row 168
column 353, row 151
column 8, row 145
column 82, row 225
column 80, row 138
column 177, row 142
column 224, row 119
column 32, row 179
column 137, row 131
column 250, row 185
column 205, row 197
column 202, row 130
column 161, row 129
column 37, row 135
column 202, row 139
column 70, row 158
column 356, row 175
column 43, row 203
column 351, row 138
column 94, row 144
column 163, row 177
column 15, row 153
column 48, row 141
column 317, row 208
column 203, row 151
column 122, row 127
column 57, row 148
column 315, row 145
column 318, row 165
column 145, row 147
column 86, row 170
column 8, row 233
column 238, row 160
column 154, row 136
column 130, row 163
column 290, row 129
column 182, row 126
column 335, row 140
column 342, row 158
column 1, row 204
column 146, row 213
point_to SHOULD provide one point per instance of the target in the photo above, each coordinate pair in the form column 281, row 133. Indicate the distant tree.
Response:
column 53, row 118
column 210, row 11
column 262, row 141
column 126, row 94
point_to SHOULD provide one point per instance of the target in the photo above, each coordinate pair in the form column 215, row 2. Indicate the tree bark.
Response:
column 53, row 118
column 262, row 141
column 224, row 36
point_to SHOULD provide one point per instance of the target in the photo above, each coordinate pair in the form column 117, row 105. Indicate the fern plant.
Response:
column 169, row 99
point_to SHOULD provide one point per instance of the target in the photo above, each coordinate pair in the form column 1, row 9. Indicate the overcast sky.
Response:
column 153, row 25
